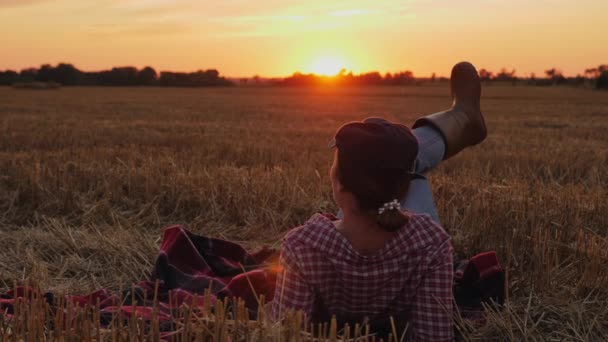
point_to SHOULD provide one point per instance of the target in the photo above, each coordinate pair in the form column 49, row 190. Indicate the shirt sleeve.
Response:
column 292, row 292
column 431, row 316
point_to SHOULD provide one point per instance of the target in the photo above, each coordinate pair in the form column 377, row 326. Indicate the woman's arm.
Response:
column 431, row 315
column 292, row 292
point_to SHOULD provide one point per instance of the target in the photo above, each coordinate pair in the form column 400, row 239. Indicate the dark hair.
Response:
column 373, row 187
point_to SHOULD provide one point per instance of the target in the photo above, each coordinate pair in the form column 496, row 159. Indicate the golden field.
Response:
column 90, row 176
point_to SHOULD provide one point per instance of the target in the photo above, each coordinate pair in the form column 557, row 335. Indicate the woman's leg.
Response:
column 419, row 198
column 463, row 125
column 431, row 149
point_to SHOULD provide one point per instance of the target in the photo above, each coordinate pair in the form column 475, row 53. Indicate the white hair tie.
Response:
column 392, row 205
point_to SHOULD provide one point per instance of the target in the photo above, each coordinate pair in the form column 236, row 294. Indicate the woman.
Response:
column 387, row 256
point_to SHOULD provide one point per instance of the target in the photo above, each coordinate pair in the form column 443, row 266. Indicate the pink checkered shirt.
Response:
column 410, row 278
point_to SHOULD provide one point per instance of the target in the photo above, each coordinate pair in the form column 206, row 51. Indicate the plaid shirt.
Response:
column 410, row 278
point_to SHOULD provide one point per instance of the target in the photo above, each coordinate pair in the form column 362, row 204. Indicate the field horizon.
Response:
column 89, row 176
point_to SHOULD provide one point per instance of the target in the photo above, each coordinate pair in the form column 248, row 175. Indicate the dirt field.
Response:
column 89, row 176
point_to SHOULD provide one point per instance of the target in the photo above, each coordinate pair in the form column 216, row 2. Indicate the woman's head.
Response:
column 372, row 167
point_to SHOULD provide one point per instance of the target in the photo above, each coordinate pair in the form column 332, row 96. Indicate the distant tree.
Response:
column 345, row 79
column 199, row 78
column 592, row 73
column 147, row 76
column 28, row 75
column 602, row 77
column 532, row 80
column 212, row 74
column 578, row 80
column 300, row 79
column 602, row 80
column 403, row 77
column 8, row 77
column 66, row 74
column 123, row 76
column 505, row 75
column 555, row 76
column 45, row 73
column 348, row 78
column 551, row 73
column 485, row 75
column 370, row 78
column 433, row 77
column 388, row 78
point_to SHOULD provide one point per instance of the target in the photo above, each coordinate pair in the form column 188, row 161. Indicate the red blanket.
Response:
column 189, row 264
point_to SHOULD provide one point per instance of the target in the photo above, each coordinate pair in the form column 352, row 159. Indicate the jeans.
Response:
column 431, row 149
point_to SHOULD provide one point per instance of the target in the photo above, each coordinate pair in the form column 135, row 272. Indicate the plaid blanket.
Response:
column 188, row 265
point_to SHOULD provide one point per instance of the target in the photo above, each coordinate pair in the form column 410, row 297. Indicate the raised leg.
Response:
column 462, row 125
column 431, row 150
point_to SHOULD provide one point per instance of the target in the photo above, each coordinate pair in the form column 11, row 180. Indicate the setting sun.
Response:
column 327, row 65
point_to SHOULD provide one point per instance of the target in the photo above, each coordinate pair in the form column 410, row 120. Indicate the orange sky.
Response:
column 278, row 37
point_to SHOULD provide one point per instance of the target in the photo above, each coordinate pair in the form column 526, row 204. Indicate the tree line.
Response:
column 68, row 75
column 597, row 76
column 344, row 78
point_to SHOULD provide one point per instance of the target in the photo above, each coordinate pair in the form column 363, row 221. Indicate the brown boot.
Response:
column 462, row 125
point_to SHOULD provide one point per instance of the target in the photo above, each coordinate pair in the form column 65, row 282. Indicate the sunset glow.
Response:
column 277, row 38
column 327, row 65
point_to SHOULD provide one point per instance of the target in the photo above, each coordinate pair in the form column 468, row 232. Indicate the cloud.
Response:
column 353, row 12
column 116, row 19
column 140, row 30
column 20, row 3
column 307, row 17
column 227, row 18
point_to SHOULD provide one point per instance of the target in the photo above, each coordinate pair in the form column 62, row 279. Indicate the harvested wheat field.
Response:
column 90, row 176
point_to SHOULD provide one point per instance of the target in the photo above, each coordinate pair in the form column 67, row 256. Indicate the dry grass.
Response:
column 89, row 176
